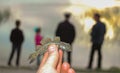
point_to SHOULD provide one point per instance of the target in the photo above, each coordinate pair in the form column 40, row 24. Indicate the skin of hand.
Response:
column 52, row 62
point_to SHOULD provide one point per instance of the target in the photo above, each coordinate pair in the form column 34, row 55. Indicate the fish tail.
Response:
column 32, row 57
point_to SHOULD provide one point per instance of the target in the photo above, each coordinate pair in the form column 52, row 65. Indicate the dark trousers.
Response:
column 69, row 57
column 95, row 47
column 16, row 48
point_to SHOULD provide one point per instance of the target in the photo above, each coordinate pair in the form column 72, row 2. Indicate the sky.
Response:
column 48, row 13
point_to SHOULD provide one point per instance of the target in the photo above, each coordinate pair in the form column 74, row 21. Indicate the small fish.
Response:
column 45, row 44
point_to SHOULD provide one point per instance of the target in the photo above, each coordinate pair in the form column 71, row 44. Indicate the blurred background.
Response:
column 47, row 14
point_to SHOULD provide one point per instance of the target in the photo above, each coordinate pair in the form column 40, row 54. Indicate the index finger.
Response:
column 60, row 61
column 43, row 60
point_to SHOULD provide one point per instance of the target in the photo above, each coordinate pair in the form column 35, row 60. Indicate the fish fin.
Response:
column 45, row 41
column 56, row 39
column 32, row 60
column 65, row 46
column 38, row 47
column 32, row 57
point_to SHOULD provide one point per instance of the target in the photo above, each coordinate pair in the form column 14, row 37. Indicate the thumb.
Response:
column 53, row 56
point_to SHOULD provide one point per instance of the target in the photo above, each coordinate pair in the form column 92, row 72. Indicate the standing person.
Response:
column 16, row 38
column 97, row 38
column 38, row 38
column 66, row 32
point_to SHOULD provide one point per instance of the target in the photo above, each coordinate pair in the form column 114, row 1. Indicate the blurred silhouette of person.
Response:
column 16, row 38
column 38, row 38
column 97, row 38
column 66, row 32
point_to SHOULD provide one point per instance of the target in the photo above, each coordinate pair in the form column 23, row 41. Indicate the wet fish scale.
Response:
column 44, row 46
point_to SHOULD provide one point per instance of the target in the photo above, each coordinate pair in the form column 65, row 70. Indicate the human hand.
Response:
column 52, row 62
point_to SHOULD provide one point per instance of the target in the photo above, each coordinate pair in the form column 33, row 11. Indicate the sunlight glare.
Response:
column 95, row 3
column 75, row 10
column 110, row 31
column 89, row 22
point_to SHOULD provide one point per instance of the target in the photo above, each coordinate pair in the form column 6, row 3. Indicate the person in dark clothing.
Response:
column 97, row 38
column 16, row 38
column 66, row 32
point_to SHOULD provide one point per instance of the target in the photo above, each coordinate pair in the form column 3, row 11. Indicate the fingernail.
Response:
column 52, row 48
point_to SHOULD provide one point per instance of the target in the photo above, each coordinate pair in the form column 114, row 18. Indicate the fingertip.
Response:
column 60, row 52
column 71, row 70
column 46, row 54
column 44, row 59
column 65, row 65
column 52, row 48
column 60, row 61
